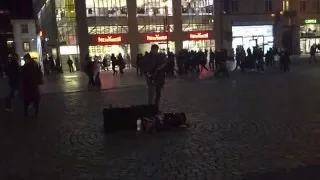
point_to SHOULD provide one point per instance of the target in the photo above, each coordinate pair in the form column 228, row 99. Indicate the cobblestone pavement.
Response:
column 251, row 126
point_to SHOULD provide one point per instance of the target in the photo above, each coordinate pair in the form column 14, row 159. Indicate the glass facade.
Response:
column 108, row 29
column 154, row 8
column 309, row 35
column 197, row 15
column 106, row 8
column 66, row 22
column 154, row 16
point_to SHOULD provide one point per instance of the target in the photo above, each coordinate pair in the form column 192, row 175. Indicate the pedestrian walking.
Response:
column 31, row 79
column 13, row 75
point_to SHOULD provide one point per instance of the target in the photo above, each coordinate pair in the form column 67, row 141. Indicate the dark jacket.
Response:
column 13, row 73
column 31, row 79
column 149, row 65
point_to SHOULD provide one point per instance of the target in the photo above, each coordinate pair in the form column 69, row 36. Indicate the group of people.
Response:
column 24, row 81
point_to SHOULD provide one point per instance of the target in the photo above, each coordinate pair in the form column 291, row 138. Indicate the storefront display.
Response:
column 309, row 35
column 107, row 44
column 253, row 36
column 200, row 40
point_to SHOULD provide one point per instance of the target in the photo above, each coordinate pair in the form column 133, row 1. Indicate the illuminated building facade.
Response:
column 102, row 27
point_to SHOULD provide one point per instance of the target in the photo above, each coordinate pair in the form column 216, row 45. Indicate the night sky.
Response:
column 18, row 8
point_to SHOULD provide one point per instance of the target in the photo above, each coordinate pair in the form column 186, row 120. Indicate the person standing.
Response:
column 13, row 74
column 70, row 64
column 31, row 79
column 153, row 65
column 313, row 51
column 114, row 63
column 89, row 71
column 96, row 72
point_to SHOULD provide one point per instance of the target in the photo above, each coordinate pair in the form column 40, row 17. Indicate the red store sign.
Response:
column 156, row 37
column 112, row 39
column 199, row 35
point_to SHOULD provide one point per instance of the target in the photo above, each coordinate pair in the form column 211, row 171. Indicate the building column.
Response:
column 177, row 25
column 218, row 25
column 82, row 30
column 133, row 37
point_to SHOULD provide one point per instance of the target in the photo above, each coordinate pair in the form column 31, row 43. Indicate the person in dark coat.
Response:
column 70, row 64
column 89, row 71
column 114, row 63
column 286, row 61
column 153, row 66
column 13, row 74
column 31, row 79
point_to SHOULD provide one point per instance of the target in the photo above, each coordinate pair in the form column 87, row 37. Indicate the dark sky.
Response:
column 18, row 8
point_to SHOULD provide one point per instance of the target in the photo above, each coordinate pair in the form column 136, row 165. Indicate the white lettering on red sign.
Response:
column 199, row 36
column 109, row 39
column 157, row 37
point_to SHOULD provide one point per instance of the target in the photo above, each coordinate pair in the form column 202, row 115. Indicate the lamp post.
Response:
column 166, row 23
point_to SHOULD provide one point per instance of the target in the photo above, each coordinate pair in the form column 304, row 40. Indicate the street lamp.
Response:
column 166, row 23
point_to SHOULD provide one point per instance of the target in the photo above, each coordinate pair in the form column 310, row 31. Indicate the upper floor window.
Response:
column 234, row 5
column 154, row 7
column 268, row 5
column 303, row 5
column 107, row 8
column 197, row 7
column 285, row 5
column 24, row 28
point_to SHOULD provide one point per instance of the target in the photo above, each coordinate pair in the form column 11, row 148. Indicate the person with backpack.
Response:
column 153, row 65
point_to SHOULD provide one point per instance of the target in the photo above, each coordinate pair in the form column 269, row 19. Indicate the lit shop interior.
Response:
column 309, row 35
column 146, row 47
column 107, row 50
column 202, row 45
column 253, row 36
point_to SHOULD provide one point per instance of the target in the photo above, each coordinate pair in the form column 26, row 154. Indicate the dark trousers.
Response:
column 203, row 66
column 27, row 102
column 114, row 70
column 71, row 69
column 154, row 93
column 91, row 80
column 10, row 96
column 314, row 59
column 31, row 96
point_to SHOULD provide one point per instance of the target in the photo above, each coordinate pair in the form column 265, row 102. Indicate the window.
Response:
column 268, row 5
column 117, row 29
column 24, row 28
column 106, row 8
column 197, row 15
column 303, row 5
column 234, row 5
column 26, row 46
column 154, row 7
column 285, row 5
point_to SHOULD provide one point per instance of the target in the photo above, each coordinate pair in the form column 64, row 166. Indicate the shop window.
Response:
column 24, row 28
column 285, row 5
column 303, row 5
column 154, row 7
column 108, row 29
column 26, row 46
column 106, row 8
column 197, row 7
column 155, row 28
column 197, row 15
column 234, row 6
column 268, row 5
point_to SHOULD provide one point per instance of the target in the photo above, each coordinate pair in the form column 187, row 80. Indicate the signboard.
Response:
column 112, row 39
column 199, row 35
column 310, row 21
column 156, row 37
